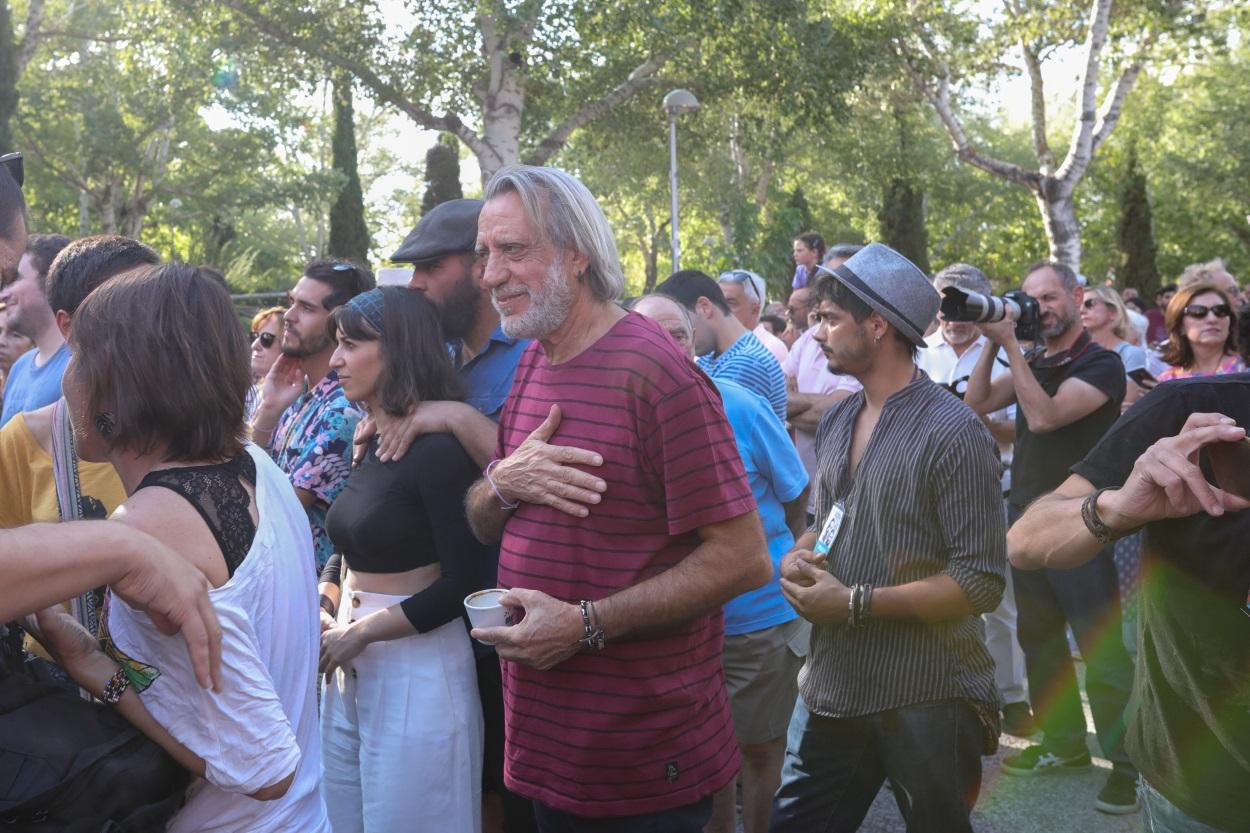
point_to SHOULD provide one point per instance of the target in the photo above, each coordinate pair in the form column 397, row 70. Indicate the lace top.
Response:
column 217, row 493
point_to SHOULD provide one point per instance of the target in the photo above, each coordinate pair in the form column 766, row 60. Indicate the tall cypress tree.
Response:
column 902, row 222
column 8, row 77
column 442, row 175
column 1136, row 236
column 349, row 236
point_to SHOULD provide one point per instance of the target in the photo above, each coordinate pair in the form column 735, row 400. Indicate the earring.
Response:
column 105, row 423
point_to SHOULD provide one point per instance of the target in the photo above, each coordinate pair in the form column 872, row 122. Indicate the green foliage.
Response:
column 349, row 236
column 8, row 77
column 1136, row 233
column 442, row 176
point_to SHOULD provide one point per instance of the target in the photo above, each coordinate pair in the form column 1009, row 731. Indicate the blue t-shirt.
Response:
column 748, row 362
column 487, row 377
column 776, row 476
column 29, row 388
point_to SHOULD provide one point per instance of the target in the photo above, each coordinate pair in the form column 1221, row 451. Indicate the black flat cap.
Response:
column 449, row 228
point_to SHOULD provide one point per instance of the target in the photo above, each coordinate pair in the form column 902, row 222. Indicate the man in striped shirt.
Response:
column 726, row 348
column 617, row 714
column 908, row 548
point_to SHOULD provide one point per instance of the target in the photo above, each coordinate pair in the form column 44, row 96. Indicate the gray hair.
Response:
column 564, row 213
column 846, row 251
column 963, row 276
column 1208, row 271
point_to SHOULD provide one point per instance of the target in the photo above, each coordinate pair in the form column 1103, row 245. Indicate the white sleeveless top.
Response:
column 264, row 722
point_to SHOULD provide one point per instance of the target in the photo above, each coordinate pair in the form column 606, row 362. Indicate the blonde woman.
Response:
column 1106, row 320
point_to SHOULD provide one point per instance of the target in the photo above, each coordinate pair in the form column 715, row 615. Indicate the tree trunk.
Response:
column 1063, row 232
column 349, row 235
column 8, row 77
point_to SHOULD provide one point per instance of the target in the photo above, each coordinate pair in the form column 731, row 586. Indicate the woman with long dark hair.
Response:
column 401, row 719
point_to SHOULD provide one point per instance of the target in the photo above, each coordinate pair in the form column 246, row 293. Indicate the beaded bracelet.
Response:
column 115, row 687
column 495, row 488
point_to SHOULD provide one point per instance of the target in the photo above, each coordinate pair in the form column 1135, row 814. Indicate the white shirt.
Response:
column 264, row 723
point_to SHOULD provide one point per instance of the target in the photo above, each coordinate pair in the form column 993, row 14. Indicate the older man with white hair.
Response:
column 617, row 714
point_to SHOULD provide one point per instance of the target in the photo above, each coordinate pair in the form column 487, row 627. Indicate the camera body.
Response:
column 958, row 305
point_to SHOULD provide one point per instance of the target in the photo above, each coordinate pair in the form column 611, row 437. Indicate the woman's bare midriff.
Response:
column 391, row 584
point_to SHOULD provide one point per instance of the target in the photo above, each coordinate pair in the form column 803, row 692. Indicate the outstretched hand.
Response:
column 541, row 473
column 1166, row 481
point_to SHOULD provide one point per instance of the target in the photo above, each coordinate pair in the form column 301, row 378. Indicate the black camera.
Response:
column 958, row 305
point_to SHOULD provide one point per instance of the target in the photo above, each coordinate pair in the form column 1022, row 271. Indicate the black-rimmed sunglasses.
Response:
column 266, row 339
column 12, row 163
column 1201, row 310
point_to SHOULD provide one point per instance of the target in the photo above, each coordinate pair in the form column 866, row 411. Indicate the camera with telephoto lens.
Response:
column 958, row 305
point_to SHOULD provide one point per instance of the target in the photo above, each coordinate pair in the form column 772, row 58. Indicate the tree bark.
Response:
column 1063, row 232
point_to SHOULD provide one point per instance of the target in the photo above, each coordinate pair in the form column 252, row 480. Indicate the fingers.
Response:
column 544, row 432
column 571, row 456
column 395, row 444
column 500, row 637
column 1182, row 481
column 1189, row 441
column 1202, row 420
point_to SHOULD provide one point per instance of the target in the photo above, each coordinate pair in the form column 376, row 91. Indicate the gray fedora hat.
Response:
column 893, row 286
column 449, row 228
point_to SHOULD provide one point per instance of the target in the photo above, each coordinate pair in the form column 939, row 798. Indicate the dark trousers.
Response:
column 834, row 768
column 1087, row 598
column 688, row 819
column 518, row 811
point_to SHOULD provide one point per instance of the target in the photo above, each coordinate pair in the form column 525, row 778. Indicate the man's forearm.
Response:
column 476, row 433
column 1040, row 411
column 934, row 599
column 49, row 563
column 980, row 386
column 1051, row 533
column 712, row 574
column 816, row 404
column 485, row 513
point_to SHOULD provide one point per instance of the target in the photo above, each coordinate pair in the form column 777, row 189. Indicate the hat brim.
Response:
column 860, row 289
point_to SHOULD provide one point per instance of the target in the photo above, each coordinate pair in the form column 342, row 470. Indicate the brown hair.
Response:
column 161, row 350
column 260, row 318
column 1178, row 351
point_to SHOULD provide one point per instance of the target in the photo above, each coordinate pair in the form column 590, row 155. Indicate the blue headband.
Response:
column 369, row 304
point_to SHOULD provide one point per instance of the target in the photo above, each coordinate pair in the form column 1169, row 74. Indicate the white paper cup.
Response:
column 484, row 609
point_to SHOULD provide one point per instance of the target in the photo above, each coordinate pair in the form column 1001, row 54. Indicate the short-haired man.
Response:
column 1157, row 332
column 909, row 546
column 765, row 640
column 613, row 690
column 35, row 378
column 811, row 389
column 1190, row 731
column 745, row 293
column 950, row 354
column 723, row 345
column 1068, row 393
column 303, row 418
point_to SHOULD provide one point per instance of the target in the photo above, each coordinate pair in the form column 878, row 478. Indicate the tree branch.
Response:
column 642, row 76
column 940, row 99
column 1109, row 113
column 30, row 35
column 1037, row 91
column 384, row 91
column 1080, row 149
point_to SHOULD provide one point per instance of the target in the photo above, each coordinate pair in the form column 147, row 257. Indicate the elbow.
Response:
column 758, row 565
column 1021, row 552
column 275, row 791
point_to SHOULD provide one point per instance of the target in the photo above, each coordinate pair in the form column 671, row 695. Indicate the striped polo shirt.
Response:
column 924, row 501
column 644, row 725
column 748, row 362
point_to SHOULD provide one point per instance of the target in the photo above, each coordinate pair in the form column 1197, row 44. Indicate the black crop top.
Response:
column 397, row 516
column 218, row 495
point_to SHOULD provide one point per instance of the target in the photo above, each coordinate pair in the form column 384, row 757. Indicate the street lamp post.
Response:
column 676, row 103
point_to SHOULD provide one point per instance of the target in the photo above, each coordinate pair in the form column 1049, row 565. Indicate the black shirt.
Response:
column 1041, row 461
column 397, row 516
column 1191, row 735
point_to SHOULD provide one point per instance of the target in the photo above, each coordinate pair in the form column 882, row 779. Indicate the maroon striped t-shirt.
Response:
column 644, row 725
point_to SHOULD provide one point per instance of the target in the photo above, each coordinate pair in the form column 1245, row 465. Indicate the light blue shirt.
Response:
column 776, row 476
column 488, row 376
column 29, row 388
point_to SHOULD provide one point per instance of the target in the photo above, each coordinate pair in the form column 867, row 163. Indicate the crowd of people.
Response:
column 759, row 559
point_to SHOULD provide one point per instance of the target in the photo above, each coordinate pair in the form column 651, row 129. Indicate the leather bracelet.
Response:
column 494, row 488
column 1089, row 514
column 115, row 687
column 594, row 634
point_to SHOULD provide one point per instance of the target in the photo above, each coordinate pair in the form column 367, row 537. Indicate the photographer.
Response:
column 1069, row 394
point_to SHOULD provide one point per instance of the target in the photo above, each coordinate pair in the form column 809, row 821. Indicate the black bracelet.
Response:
column 1089, row 514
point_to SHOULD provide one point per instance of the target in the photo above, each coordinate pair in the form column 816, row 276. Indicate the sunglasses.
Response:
column 1200, row 311
column 12, row 163
column 746, row 279
column 266, row 339
column 1090, row 303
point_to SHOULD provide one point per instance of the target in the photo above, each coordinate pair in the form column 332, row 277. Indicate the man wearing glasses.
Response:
column 1068, row 394
column 745, row 293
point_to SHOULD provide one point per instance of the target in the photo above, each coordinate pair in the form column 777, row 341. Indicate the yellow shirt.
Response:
column 27, row 487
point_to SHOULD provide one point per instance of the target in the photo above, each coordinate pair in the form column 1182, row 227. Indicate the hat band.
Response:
column 868, row 294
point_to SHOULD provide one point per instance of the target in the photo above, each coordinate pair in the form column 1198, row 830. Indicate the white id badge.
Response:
column 829, row 533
